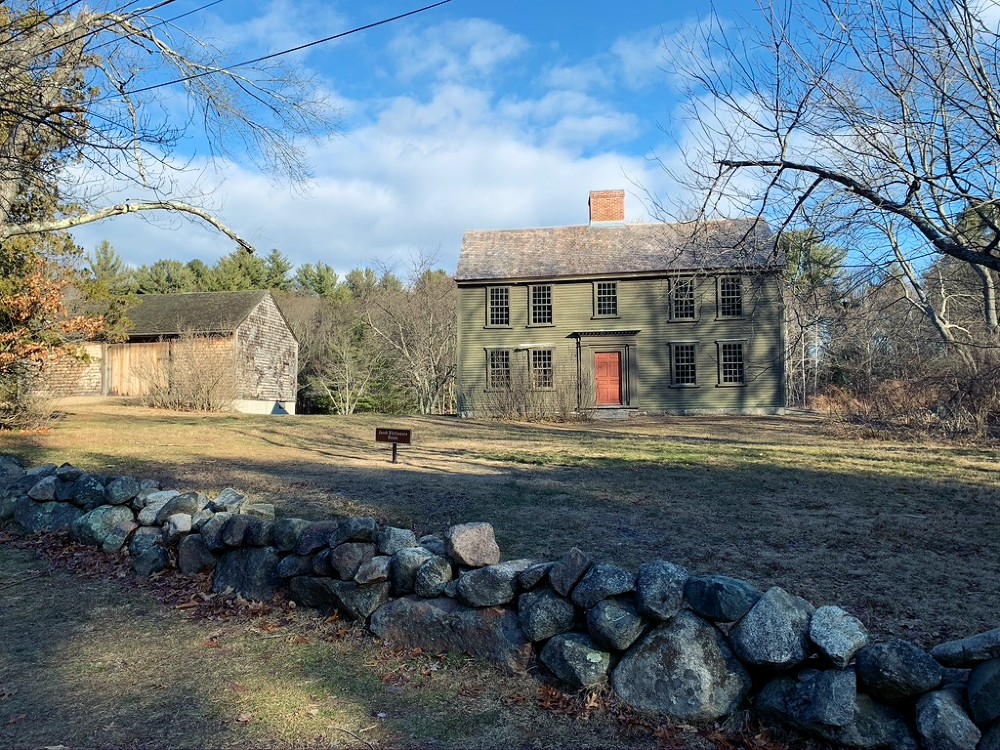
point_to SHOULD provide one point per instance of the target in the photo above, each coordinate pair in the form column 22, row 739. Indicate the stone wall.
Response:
column 689, row 648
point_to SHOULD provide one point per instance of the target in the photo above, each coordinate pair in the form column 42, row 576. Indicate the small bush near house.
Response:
column 197, row 373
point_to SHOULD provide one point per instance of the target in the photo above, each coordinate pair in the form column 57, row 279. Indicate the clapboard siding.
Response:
column 643, row 307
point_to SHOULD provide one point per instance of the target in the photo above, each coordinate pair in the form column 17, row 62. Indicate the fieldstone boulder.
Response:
column 942, row 723
column 354, row 530
column 817, row 702
column 258, row 533
column 403, row 569
column 472, row 544
column 354, row 601
column 683, row 669
column 121, row 490
column 970, row 651
column 391, row 540
column 576, row 660
column 175, row 528
column 295, row 565
column 720, row 598
column 228, row 501
column 568, row 570
column 264, row 511
column 153, row 560
column 446, row 625
column 68, row 472
column 211, row 531
column 44, row 489
column 660, row 589
column 615, row 624
column 144, row 538
column 897, row 670
column 11, row 469
column 543, row 614
column 533, row 576
column 52, row 516
column 153, row 505
column 774, row 634
column 872, row 726
column 315, row 536
column 490, row 586
column 321, row 563
column 200, row 518
column 194, row 556
column 346, row 559
column 433, row 577
column 837, row 635
column 375, row 570
column 88, row 492
column 600, row 582
column 984, row 692
column 991, row 739
column 434, row 544
column 235, row 530
column 188, row 503
column 251, row 572
column 66, row 490
column 106, row 527
column 7, row 507
column 286, row 533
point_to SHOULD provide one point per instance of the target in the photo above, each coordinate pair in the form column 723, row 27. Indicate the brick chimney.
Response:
column 607, row 206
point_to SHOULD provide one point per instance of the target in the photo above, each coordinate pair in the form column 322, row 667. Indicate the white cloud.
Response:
column 456, row 51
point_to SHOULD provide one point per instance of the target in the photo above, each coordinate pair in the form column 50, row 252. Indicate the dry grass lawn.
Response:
column 906, row 535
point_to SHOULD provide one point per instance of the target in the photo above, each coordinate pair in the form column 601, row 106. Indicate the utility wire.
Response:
column 164, row 21
column 288, row 51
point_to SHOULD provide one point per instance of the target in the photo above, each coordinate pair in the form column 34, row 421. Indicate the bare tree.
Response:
column 878, row 119
column 81, row 94
column 418, row 324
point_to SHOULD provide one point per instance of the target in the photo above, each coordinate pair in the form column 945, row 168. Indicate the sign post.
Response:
column 394, row 436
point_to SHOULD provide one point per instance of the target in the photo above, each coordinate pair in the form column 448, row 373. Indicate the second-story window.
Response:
column 606, row 298
column 541, row 304
column 730, row 297
column 682, row 306
column 498, row 303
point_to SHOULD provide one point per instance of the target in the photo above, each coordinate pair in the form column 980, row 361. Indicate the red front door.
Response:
column 608, row 366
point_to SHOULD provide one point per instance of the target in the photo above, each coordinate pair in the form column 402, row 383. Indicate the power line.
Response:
column 164, row 21
column 273, row 55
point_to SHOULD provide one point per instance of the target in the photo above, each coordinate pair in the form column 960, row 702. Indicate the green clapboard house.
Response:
column 620, row 317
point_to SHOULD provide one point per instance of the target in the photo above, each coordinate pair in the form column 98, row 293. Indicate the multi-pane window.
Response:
column 683, row 364
column 732, row 366
column 730, row 297
column 498, row 368
column 606, row 298
column 541, row 368
column 499, row 306
column 541, row 304
column 682, row 299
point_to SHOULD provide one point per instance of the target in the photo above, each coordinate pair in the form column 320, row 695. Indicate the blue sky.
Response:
column 475, row 115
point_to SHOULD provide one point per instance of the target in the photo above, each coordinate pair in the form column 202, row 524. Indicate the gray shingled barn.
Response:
column 240, row 335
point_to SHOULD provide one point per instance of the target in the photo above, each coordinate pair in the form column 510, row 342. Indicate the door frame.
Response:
column 591, row 343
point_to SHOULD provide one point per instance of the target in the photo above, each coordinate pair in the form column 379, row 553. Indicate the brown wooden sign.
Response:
column 392, row 435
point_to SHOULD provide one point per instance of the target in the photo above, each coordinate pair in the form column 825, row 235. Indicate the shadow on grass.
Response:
column 97, row 664
column 916, row 557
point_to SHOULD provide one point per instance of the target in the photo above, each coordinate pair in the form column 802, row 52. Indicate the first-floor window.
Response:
column 498, row 368
column 683, row 364
column 732, row 364
column 541, row 368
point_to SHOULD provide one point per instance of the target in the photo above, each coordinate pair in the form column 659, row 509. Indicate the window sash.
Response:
column 498, row 368
column 499, row 306
column 682, row 299
column 541, row 304
column 541, row 368
column 732, row 364
column 606, row 298
column 684, row 364
column 730, row 297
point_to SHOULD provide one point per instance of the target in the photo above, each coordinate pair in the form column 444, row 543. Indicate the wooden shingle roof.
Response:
column 614, row 250
column 193, row 312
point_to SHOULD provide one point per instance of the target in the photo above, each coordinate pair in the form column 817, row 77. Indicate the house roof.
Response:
column 614, row 250
column 194, row 312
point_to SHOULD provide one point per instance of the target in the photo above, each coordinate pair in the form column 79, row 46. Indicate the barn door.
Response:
column 608, row 371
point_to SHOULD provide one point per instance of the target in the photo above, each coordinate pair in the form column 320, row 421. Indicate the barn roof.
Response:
column 192, row 312
column 615, row 249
